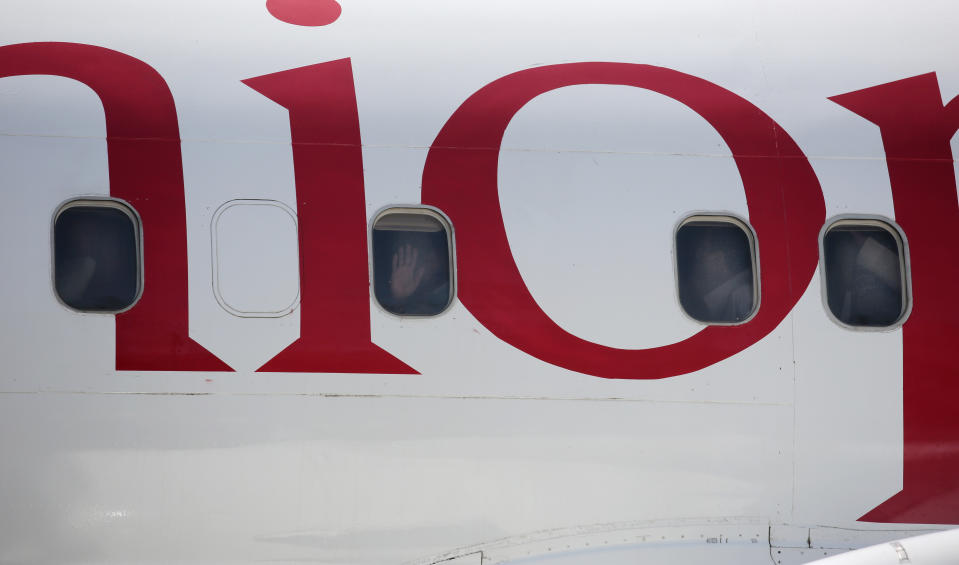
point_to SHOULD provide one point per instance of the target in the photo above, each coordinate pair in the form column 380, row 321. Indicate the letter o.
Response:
column 785, row 201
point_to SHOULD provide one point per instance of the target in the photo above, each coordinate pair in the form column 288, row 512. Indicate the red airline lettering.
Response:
column 143, row 150
column 331, row 207
column 785, row 202
column 916, row 129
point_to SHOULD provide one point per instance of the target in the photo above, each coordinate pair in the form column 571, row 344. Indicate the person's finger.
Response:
column 396, row 260
column 416, row 253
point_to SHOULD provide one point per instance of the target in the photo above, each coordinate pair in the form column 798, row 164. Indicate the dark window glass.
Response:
column 863, row 275
column 714, row 263
column 411, row 264
column 96, row 258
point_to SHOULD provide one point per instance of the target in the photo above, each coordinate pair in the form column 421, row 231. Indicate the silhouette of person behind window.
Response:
column 730, row 298
column 417, row 275
column 715, row 271
column 867, row 289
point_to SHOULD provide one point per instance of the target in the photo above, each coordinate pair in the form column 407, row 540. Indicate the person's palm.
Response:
column 406, row 274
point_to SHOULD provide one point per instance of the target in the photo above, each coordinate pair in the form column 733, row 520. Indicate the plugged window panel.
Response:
column 255, row 258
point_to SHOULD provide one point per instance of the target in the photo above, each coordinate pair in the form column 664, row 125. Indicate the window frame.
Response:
column 741, row 223
column 425, row 210
column 215, row 259
column 99, row 202
column 899, row 236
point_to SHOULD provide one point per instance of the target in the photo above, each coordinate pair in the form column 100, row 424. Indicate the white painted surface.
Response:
column 486, row 442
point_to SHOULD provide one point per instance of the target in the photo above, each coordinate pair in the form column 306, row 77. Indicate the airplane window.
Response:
column 412, row 258
column 715, row 268
column 96, row 256
column 864, row 273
